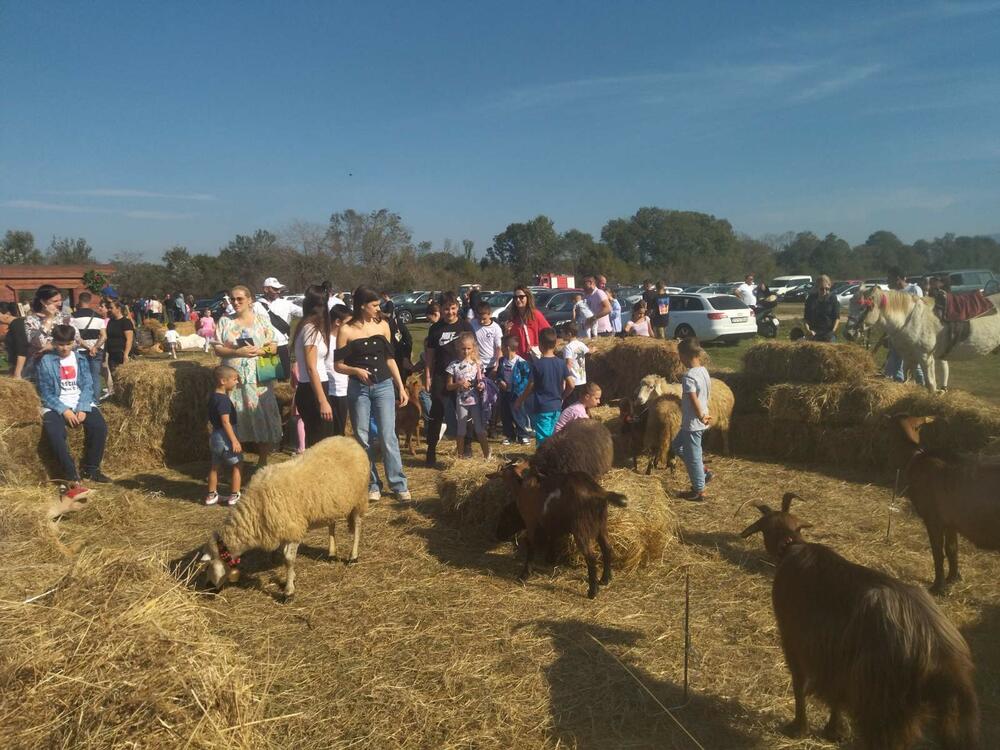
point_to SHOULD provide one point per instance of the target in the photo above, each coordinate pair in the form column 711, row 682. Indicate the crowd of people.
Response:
column 351, row 363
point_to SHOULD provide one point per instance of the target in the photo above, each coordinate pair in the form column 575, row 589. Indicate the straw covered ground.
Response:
column 429, row 641
column 618, row 364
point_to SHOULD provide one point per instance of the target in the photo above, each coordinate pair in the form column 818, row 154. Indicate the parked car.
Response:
column 543, row 299
column 216, row 304
column 846, row 294
column 412, row 306
column 970, row 280
column 797, row 294
column 710, row 317
column 499, row 301
column 783, row 284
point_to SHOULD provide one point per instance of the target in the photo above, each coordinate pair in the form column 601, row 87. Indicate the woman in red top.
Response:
column 525, row 321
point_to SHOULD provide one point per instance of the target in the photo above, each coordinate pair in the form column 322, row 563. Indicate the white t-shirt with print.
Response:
column 464, row 370
column 69, row 385
column 575, row 354
column 311, row 336
column 488, row 340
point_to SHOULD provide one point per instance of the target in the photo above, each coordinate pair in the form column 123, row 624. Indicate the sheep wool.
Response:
column 328, row 482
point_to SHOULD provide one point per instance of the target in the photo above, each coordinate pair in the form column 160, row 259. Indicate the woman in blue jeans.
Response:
column 364, row 353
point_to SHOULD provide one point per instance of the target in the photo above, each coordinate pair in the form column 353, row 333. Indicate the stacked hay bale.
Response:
column 618, row 364
column 20, row 432
column 639, row 533
column 823, row 403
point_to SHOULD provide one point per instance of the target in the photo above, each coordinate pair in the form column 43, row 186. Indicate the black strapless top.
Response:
column 372, row 354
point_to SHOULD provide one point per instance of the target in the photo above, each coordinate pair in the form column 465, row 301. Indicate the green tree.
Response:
column 527, row 248
column 372, row 241
column 796, row 258
column 467, row 247
column 18, row 247
column 69, row 251
column 250, row 259
column 757, row 257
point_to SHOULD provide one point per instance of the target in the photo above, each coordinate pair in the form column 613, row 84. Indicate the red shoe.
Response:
column 76, row 493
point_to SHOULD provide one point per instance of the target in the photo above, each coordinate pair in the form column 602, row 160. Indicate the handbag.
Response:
column 269, row 368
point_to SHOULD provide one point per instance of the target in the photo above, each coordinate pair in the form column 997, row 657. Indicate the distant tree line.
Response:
column 377, row 248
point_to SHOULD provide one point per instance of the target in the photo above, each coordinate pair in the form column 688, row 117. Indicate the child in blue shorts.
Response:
column 551, row 382
column 225, row 447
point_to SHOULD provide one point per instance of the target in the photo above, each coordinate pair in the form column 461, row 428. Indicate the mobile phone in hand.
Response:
column 243, row 341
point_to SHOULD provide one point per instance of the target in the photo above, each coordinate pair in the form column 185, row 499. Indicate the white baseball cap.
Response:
column 273, row 283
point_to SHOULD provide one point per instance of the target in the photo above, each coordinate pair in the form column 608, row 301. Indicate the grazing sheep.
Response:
column 553, row 506
column 953, row 495
column 584, row 445
column 866, row 644
column 327, row 482
column 720, row 403
column 651, row 429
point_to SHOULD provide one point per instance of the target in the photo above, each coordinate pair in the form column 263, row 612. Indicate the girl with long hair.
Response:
column 526, row 322
column 365, row 354
column 46, row 313
column 312, row 346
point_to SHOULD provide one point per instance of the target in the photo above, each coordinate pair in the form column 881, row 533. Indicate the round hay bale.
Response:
column 583, row 445
column 618, row 364
column 19, row 404
column 808, row 362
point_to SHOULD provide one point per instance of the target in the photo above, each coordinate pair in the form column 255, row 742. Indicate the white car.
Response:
column 783, row 284
column 845, row 295
column 710, row 317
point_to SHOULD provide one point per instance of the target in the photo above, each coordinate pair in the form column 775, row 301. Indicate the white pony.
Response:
column 916, row 333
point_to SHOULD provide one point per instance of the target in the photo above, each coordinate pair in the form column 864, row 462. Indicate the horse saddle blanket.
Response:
column 966, row 306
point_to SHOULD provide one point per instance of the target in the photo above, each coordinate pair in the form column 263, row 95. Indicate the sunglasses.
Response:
column 520, row 296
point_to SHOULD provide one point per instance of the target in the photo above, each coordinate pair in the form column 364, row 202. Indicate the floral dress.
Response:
column 39, row 333
column 258, row 415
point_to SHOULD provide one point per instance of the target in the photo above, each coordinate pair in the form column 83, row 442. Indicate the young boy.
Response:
column 513, row 375
column 488, row 338
column 590, row 398
column 575, row 354
column 66, row 390
column 170, row 340
column 225, row 447
column 551, row 382
column 695, row 419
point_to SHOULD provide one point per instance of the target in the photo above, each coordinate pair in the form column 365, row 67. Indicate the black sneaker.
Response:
column 96, row 476
column 708, row 476
column 692, row 496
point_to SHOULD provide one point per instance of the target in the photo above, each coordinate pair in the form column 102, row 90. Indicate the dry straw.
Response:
column 639, row 533
column 808, row 362
column 19, row 404
column 618, row 364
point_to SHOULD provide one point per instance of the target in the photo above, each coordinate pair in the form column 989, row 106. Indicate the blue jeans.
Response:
column 894, row 368
column 515, row 423
column 687, row 445
column 95, row 373
column 379, row 401
column 95, row 435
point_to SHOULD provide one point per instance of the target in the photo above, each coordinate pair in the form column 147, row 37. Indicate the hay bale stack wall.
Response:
column 618, row 364
column 808, row 362
column 639, row 533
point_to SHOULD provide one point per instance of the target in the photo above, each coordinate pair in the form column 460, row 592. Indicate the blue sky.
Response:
column 143, row 125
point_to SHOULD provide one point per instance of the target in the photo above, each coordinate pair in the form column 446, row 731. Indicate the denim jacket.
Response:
column 520, row 376
column 47, row 382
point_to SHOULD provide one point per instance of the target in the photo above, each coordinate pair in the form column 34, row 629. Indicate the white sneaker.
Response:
column 374, row 496
column 505, row 442
column 404, row 496
column 525, row 441
column 212, row 498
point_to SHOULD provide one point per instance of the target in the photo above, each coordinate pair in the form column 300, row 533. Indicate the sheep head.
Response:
column 222, row 566
column 649, row 386
column 779, row 527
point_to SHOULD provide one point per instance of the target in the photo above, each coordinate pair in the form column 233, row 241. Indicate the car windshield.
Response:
column 726, row 302
column 500, row 299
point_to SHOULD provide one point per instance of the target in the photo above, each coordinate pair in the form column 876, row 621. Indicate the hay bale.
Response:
column 469, row 496
column 963, row 422
column 836, row 404
column 808, row 362
column 185, row 328
column 750, row 392
column 618, row 364
column 19, row 404
column 122, row 654
column 639, row 533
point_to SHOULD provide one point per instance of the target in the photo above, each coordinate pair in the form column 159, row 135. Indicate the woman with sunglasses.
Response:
column 240, row 339
column 46, row 313
column 526, row 322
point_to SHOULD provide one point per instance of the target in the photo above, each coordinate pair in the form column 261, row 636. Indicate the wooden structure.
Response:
column 18, row 283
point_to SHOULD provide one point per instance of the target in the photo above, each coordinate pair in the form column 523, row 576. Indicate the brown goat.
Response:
column 408, row 417
column 952, row 496
column 866, row 644
column 551, row 507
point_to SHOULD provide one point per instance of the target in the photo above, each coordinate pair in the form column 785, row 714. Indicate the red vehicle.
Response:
column 556, row 281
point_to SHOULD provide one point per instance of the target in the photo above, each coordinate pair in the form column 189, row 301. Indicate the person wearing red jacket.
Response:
column 526, row 322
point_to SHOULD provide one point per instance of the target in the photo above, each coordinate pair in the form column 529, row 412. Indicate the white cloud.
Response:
column 836, row 83
column 74, row 209
column 128, row 193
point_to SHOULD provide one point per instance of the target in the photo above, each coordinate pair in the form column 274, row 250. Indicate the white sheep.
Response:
column 327, row 482
column 720, row 403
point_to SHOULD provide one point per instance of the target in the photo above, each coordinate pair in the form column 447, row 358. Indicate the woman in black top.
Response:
column 365, row 353
column 16, row 340
column 120, row 335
